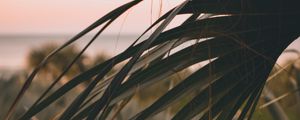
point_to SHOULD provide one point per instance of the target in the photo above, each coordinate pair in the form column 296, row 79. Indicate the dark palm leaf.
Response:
column 241, row 39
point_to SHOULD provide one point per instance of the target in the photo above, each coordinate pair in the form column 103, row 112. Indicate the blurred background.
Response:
column 30, row 29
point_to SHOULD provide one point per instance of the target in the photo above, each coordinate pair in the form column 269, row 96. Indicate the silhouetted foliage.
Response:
column 241, row 41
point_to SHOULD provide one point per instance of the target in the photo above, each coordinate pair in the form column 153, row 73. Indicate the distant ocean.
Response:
column 15, row 48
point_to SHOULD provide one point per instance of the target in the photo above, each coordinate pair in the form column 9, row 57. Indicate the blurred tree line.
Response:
column 285, row 82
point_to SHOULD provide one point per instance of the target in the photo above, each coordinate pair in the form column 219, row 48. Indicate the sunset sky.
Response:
column 71, row 16
column 65, row 17
column 68, row 17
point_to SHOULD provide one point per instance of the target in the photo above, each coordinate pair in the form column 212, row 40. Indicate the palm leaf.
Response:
column 111, row 16
column 235, row 34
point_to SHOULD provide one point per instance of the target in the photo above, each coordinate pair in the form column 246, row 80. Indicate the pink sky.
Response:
column 66, row 17
column 71, row 16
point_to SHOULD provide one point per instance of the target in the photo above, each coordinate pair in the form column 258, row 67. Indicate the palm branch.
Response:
column 241, row 40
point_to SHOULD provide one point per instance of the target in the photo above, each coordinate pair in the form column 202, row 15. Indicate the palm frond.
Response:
column 242, row 39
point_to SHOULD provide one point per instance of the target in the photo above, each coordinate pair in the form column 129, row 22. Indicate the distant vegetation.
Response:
column 11, row 83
